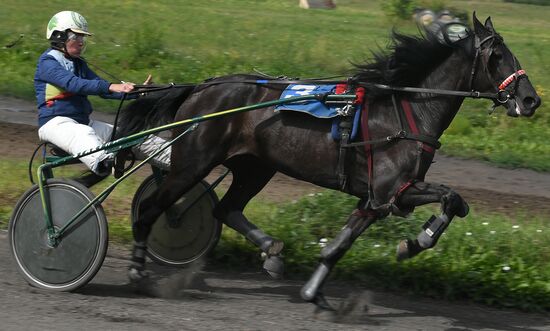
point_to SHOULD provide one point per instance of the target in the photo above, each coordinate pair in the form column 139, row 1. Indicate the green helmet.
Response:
column 66, row 20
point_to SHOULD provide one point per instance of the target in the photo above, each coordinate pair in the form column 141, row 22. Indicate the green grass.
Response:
column 188, row 41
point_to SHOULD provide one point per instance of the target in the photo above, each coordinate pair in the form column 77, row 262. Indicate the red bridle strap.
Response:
column 510, row 79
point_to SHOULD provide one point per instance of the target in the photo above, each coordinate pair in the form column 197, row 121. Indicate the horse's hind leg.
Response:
column 250, row 175
column 422, row 193
column 358, row 222
column 172, row 188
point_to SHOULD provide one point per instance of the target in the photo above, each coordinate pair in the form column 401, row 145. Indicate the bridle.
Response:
column 503, row 95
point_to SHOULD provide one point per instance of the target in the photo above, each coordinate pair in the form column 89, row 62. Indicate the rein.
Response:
column 502, row 96
column 471, row 94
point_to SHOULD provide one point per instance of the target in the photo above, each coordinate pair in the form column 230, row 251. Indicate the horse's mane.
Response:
column 408, row 63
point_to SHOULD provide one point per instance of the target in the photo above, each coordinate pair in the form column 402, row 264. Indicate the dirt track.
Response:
column 217, row 300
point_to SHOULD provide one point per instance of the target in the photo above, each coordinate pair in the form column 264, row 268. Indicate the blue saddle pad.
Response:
column 312, row 107
column 315, row 107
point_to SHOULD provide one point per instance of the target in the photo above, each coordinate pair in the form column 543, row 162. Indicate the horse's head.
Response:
column 502, row 72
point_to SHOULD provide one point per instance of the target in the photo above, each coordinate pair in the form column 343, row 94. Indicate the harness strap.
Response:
column 415, row 135
column 345, row 132
column 346, row 126
column 401, row 190
column 368, row 151
column 430, row 144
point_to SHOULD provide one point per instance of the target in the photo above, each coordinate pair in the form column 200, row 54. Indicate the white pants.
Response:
column 75, row 138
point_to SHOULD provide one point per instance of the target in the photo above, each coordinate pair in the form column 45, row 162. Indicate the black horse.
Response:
column 386, row 177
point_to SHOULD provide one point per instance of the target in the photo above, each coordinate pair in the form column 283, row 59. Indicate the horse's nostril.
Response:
column 531, row 103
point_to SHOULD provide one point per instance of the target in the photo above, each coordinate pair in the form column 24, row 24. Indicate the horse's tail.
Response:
column 155, row 109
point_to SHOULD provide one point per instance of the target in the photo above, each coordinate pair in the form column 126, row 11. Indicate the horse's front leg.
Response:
column 422, row 193
column 358, row 222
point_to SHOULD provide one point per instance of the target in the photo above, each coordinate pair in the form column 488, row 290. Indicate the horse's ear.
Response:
column 489, row 24
column 479, row 29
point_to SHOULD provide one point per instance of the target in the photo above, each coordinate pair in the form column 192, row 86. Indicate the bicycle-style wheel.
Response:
column 75, row 260
column 187, row 231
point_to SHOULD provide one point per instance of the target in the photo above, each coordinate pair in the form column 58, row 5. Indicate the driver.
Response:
column 62, row 84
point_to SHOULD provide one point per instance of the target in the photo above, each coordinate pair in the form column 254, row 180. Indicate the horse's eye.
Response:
column 497, row 56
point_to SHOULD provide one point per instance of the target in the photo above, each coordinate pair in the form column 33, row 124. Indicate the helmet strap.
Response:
column 58, row 40
column 60, row 46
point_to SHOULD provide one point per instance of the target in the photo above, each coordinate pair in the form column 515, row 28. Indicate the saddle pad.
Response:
column 312, row 107
column 316, row 108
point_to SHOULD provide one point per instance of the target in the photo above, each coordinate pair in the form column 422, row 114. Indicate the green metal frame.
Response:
column 44, row 171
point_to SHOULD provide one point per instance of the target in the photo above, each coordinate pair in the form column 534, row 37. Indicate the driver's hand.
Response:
column 121, row 88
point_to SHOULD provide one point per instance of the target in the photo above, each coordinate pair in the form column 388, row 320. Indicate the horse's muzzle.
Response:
column 522, row 107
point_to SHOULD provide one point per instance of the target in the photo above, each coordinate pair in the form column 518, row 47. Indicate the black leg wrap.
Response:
column 138, row 255
column 432, row 230
column 427, row 238
column 136, row 271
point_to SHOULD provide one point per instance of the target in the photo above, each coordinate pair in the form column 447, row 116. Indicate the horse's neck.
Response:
column 437, row 112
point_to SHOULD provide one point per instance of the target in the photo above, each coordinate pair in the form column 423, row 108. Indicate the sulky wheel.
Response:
column 187, row 231
column 77, row 257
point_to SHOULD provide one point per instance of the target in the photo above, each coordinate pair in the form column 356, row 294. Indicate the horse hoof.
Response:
column 274, row 266
column 403, row 250
column 275, row 248
column 322, row 303
column 137, row 276
column 407, row 249
column 310, row 294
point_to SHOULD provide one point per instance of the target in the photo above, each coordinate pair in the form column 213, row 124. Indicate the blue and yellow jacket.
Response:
column 62, row 86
